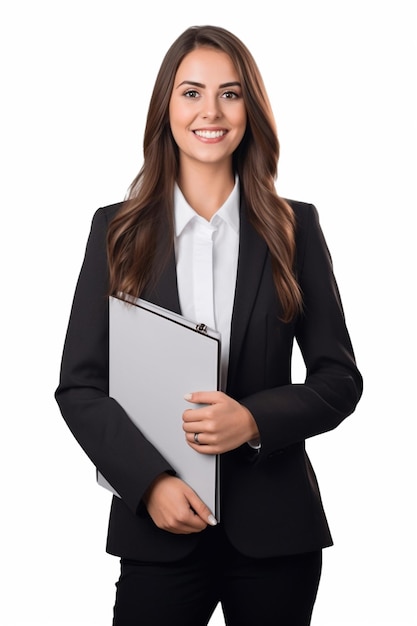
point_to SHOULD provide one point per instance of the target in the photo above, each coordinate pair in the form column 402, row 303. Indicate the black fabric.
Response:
column 270, row 592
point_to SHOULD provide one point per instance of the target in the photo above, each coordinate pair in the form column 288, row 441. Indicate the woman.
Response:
column 204, row 233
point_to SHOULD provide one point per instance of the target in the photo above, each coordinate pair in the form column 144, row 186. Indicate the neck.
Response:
column 206, row 188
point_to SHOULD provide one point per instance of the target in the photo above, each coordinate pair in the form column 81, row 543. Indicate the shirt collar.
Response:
column 228, row 212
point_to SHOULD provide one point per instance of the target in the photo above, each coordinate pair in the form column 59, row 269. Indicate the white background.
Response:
column 76, row 78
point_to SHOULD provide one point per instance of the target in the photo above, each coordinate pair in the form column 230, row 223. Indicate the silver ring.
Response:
column 196, row 438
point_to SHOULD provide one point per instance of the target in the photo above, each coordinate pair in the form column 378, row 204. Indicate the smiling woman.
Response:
column 204, row 233
column 207, row 117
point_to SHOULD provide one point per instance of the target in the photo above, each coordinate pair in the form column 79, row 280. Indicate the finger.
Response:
column 197, row 438
column 207, row 449
column 194, row 423
column 205, row 444
column 201, row 509
column 190, row 522
column 202, row 412
column 193, row 415
column 204, row 397
column 182, row 523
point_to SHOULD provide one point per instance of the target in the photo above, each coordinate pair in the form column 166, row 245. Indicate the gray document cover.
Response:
column 156, row 357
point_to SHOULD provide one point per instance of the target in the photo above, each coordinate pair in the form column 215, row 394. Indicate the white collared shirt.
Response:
column 206, row 257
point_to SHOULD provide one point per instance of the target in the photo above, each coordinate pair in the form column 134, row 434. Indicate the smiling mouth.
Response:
column 210, row 134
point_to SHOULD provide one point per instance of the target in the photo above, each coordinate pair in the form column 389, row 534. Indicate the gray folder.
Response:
column 156, row 357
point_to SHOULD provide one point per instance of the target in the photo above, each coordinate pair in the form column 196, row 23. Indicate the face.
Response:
column 207, row 113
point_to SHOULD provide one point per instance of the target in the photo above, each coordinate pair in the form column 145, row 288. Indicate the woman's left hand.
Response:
column 219, row 425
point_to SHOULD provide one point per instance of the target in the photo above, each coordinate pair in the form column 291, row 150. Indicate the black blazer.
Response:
column 270, row 501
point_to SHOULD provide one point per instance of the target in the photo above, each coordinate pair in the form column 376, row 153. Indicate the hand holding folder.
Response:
column 155, row 358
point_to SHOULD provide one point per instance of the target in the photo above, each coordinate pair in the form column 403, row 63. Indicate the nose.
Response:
column 210, row 109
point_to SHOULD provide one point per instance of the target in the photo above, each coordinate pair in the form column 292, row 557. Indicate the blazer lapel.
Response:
column 253, row 253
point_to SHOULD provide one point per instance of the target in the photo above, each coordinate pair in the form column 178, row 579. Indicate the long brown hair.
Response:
column 132, row 234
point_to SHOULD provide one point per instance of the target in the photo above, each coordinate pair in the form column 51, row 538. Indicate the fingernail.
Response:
column 212, row 520
column 188, row 396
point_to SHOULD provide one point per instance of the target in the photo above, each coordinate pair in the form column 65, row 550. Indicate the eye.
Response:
column 191, row 93
column 230, row 95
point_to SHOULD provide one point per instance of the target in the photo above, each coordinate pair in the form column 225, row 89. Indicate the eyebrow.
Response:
column 195, row 84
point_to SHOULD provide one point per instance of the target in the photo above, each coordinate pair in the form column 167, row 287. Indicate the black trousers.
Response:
column 279, row 591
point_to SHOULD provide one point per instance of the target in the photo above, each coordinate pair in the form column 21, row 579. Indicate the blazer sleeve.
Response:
column 291, row 413
column 100, row 425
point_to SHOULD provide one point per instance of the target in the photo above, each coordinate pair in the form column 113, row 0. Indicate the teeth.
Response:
column 210, row 134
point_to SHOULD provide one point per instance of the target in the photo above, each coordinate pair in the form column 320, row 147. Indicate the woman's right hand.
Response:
column 175, row 507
